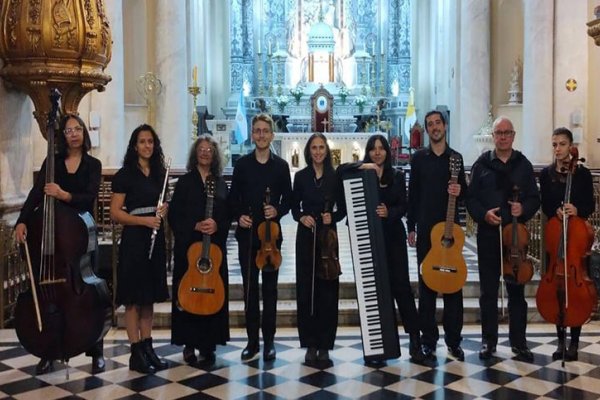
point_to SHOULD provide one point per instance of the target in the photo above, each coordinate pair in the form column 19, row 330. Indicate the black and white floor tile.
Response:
column 288, row 377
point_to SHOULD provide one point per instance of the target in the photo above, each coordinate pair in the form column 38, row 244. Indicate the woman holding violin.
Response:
column 314, row 199
column 392, row 207
column 141, row 280
column 553, row 181
column 76, row 183
column 188, row 217
column 258, row 177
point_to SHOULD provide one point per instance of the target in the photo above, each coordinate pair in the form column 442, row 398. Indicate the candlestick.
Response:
column 195, row 76
column 194, row 90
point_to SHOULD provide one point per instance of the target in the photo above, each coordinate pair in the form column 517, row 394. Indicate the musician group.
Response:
column 501, row 194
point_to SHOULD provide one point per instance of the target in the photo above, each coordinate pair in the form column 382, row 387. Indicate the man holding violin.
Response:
column 257, row 177
column 489, row 201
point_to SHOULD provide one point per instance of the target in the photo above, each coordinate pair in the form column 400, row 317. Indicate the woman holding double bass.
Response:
column 316, row 207
column 190, row 220
column 75, row 184
column 553, row 183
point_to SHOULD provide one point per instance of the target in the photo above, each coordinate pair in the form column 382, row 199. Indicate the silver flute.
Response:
column 160, row 203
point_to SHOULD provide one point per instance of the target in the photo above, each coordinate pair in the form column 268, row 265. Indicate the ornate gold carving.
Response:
column 66, row 44
column 594, row 30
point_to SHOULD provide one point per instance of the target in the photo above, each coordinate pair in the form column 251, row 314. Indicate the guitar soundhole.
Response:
column 204, row 265
column 447, row 242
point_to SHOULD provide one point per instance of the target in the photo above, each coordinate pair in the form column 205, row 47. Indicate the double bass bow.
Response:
column 516, row 265
column 73, row 308
column 268, row 257
column 566, row 295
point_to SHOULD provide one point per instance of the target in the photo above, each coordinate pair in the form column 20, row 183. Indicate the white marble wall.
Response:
column 474, row 75
column 538, row 60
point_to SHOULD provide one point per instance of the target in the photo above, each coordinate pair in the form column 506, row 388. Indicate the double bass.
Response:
column 516, row 265
column 566, row 295
column 72, row 309
column 268, row 257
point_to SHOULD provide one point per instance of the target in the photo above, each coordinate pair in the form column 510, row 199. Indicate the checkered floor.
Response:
column 287, row 377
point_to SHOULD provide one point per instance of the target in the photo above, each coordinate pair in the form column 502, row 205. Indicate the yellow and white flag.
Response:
column 411, row 115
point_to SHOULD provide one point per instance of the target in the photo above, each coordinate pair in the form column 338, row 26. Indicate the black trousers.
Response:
column 452, row 319
column 251, row 294
column 316, row 329
column 400, row 284
column 488, row 254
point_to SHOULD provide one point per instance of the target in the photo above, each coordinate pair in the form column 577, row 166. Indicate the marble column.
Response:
column 173, row 117
column 16, row 163
column 474, row 78
column 538, row 91
column 110, row 104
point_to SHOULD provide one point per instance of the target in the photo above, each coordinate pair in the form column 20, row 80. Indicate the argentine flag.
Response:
column 241, row 123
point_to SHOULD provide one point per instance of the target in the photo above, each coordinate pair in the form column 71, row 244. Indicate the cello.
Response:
column 73, row 304
column 566, row 295
column 268, row 257
column 516, row 266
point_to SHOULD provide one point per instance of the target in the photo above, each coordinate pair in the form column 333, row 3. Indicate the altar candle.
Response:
column 270, row 47
column 258, row 46
column 195, row 76
column 381, row 46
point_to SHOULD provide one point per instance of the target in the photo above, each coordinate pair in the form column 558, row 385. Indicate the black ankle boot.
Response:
column 571, row 354
column 414, row 347
column 156, row 362
column 560, row 350
column 138, row 361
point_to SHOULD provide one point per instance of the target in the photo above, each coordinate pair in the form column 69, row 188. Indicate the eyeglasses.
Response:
column 504, row 133
column 74, row 130
column 206, row 150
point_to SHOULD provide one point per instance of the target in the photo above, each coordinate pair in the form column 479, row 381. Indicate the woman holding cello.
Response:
column 553, row 182
column 141, row 280
column 188, row 217
column 76, row 184
column 314, row 199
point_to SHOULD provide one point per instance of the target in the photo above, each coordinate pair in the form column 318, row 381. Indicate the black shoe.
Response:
column 522, row 353
column 414, row 348
column 311, row 355
column 250, row 351
column 571, row 354
column 560, row 350
column 323, row 355
column 138, row 361
column 269, row 351
column 44, row 366
column 428, row 351
column 157, row 363
column 98, row 364
column 376, row 363
column 189, row 355
column 207, row 357
column 486, row 352
column 457, row 352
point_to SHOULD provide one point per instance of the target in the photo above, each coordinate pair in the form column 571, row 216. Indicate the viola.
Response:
column 328, row 244
column 566, row 295
column 268, row 257
column 201, row 289
column 516, row 266
column 73, row 304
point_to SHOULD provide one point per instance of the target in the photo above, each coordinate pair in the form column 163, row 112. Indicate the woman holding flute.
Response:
column 141, row 277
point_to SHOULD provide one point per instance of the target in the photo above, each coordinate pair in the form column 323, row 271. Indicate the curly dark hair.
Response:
column 387, row 177
column 216, row 166
column 327, row 164
column 157, row 160
column 61, row 141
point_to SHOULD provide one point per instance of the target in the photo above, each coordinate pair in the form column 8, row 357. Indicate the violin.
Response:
column 328, row 240
column 566, row 295
column 268, row 257
column 516, row 266
column 67, row 309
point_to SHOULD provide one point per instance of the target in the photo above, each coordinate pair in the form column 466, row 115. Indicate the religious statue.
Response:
column 514, row 91
column 295, row 158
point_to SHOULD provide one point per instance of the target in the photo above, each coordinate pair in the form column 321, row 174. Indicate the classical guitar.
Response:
column 201, row 290
column 444, row 269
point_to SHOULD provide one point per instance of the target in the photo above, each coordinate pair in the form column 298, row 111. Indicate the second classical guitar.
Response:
column 201, row 290
column 444, row 269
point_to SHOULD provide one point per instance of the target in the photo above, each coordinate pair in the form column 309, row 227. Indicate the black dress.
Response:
column 187, row 207
column 140, row 281
column 308, row 198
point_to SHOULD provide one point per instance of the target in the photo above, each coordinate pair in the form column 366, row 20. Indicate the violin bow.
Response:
column 249, row 265
column 33, row 288
column 314, row 257
column 501, row 263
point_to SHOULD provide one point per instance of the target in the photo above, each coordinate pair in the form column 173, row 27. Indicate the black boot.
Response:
column 414, row 347
column 156, row 362
column 139, row 361
column 571, row 354
column 560, row 350
column 44, row 366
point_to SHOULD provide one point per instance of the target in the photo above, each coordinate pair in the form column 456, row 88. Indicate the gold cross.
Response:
column 325, row 124
column 571, row 84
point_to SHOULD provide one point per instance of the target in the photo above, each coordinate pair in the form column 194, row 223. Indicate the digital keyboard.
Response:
column 375, row 303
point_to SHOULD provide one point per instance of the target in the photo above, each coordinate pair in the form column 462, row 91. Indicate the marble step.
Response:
column 348, row 312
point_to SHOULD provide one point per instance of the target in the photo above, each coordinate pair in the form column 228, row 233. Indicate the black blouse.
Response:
column 552, row 187
column 309, row 194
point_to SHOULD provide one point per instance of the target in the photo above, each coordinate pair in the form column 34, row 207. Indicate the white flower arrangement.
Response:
column 297, row 92
column 385, row 125
column 344, row 92
column 282, row 101
column 360, row 100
